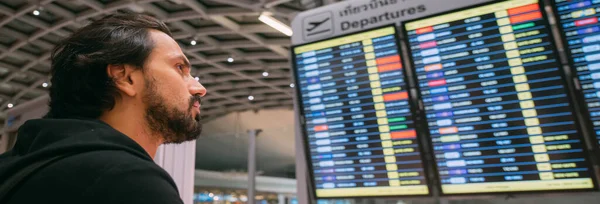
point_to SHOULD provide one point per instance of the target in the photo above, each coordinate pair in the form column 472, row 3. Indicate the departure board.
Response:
column 578, row 21
column 358, row 118
column 496, row 105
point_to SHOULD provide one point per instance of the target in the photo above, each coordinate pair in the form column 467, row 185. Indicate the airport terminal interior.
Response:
column 357, row 101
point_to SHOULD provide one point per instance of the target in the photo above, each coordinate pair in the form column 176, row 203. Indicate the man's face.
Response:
column 171, row 95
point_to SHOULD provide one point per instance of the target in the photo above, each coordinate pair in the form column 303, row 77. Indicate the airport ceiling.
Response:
column 220, row 29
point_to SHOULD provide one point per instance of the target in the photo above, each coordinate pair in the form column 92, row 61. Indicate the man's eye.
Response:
column 180, row 67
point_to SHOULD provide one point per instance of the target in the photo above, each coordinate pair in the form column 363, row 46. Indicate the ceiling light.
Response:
column 45, row 84
column 292, row 85
column 216, row 197
column 197, row 78
column 193, row 42
column 230, row 59
column 36, row 12
column 10, row 105
column 266, row 18
column 211, row 195
column 251, row 97
column 265, row 74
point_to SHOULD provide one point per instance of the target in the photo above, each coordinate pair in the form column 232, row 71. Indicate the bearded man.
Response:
column 121, row 87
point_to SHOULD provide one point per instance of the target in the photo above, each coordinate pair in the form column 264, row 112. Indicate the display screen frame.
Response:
column 425, row 125
column 302, row 119
column 579, row 95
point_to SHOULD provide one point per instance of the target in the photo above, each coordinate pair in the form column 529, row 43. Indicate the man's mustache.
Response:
column 195, row 98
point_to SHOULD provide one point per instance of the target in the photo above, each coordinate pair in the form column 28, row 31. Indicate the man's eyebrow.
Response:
column 185, row 61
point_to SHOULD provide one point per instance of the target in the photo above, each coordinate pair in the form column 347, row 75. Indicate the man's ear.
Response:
column 122, row 75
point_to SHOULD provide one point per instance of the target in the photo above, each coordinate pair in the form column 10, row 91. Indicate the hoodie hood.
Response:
column 45, row 138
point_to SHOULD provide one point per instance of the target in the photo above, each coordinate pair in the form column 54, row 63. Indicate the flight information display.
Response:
column 358, row 118
column 578, row 21
column 495, row 100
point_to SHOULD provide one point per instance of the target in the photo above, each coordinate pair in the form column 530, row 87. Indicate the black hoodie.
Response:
column 104, row 166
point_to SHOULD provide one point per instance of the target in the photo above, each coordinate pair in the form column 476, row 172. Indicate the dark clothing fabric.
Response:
column 103, row 166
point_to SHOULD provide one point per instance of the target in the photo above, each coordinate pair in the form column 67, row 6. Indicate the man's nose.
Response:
column 196, row 88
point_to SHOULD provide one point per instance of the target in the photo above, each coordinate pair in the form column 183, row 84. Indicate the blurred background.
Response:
column 237, row 53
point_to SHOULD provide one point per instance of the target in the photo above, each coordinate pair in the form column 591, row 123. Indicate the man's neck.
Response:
column 132, row 124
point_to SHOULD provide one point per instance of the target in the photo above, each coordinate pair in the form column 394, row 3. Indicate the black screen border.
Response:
column 563, row 78
column 302, row 119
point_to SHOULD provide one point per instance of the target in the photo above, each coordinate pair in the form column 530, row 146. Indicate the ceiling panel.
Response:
column 222, row 29
column 73, row 6
column 14, row 4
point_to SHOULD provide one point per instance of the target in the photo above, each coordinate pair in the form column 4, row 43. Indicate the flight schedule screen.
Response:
column 357, row 117
column 498, row 112
column 579, row 22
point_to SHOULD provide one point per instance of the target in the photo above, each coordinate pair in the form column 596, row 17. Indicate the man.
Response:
column 121, row 87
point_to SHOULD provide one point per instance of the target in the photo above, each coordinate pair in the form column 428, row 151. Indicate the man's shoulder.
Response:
column 129, row 179
column 95, row 163
column 89, row 167
column 102, row 159
column 109, row 166
column 107, row 175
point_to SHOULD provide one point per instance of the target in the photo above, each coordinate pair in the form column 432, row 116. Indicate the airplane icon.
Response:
column 316, row 24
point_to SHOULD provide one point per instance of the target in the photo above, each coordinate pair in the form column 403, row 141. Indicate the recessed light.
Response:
column 230, row 59
column 251, row 97
column 193, row 42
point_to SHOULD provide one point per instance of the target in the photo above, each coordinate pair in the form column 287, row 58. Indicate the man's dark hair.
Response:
column 81, row 87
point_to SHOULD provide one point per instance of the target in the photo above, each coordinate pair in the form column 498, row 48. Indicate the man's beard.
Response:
column 170, row 123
